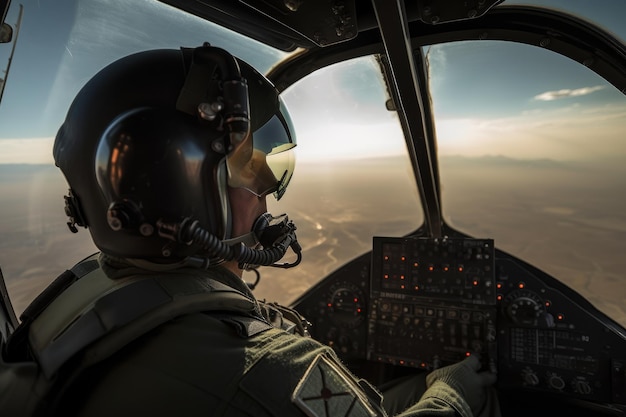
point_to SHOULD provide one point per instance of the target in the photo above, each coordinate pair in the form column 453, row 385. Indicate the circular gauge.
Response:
column 346, row 304
column 524, row 307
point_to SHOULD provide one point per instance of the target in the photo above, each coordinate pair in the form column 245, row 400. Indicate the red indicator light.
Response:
column 401, row 276
column 329, row 305
column 499, row 285
column 548, row 303
column 402, row 286
column 415, row 264
column 560, row 316
column 445, row 268
column 417, row 287
column 403, row 258
column 521, row 285
column 386, row 276
column 358, row 310
column 499, row 297
column 386, row 257
column 356, row 300
column 468, row 354
column 423, row 365
column 431, row 268
column 460, row 268
column 475, row 282
column 401, row 362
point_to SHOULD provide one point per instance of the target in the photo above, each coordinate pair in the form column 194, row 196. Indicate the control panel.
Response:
column 433, row 301
column 424, row 303
column 551, row 339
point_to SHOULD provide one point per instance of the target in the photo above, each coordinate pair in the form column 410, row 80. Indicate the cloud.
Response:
column 566, row 93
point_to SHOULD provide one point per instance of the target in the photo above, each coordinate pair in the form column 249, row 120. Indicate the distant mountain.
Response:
column 501, row 161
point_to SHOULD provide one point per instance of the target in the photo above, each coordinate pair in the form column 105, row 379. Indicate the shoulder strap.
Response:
column 128, row 309
column 16, row 347
column 21, row 382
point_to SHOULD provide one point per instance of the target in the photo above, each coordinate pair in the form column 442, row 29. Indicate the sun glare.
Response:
column 350, row 141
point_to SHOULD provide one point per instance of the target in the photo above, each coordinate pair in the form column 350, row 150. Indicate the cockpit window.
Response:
column 353, row 179
column 532, row 155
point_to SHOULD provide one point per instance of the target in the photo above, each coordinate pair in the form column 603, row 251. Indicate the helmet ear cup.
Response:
column 126, row 215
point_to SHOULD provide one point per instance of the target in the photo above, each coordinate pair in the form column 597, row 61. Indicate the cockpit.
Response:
column 458, row 186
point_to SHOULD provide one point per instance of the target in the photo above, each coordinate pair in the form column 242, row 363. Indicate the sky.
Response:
column 62, row 43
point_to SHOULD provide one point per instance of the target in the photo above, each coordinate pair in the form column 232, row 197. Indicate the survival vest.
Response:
column 83, row 317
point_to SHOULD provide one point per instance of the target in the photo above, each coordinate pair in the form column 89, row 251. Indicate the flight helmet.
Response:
column 151, row 144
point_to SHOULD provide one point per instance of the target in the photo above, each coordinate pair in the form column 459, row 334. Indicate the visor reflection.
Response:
column 264, row 163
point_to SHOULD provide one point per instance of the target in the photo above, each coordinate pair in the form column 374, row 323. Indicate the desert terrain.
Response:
column 578, row 238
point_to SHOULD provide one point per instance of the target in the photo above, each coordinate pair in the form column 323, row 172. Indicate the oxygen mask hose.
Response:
column 276, row 234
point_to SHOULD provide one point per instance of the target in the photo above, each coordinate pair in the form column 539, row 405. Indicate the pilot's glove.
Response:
column 464, row 378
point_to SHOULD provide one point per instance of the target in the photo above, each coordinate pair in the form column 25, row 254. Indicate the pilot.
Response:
column 169, row 156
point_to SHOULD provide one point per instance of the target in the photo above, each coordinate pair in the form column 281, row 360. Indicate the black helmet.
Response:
column 152, row 141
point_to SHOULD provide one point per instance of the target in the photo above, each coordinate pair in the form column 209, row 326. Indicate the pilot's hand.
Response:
column 466, row 380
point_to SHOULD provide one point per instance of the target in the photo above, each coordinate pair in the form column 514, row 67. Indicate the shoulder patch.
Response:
column 326, row 389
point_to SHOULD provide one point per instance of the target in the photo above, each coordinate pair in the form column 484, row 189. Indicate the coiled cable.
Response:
column 190, row 232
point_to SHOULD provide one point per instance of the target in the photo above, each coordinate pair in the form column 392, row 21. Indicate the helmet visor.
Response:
column 264, row 163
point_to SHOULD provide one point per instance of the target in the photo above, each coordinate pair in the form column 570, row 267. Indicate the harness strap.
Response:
column 140, row 305
column 16, row 344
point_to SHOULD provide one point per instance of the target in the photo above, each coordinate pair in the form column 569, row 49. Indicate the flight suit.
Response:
column 224, row 363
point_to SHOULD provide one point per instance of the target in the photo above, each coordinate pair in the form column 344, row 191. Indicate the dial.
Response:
column 524, row 307
column 346, row 304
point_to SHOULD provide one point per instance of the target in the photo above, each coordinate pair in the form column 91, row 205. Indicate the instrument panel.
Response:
column 424, row 303
column 432, row 301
